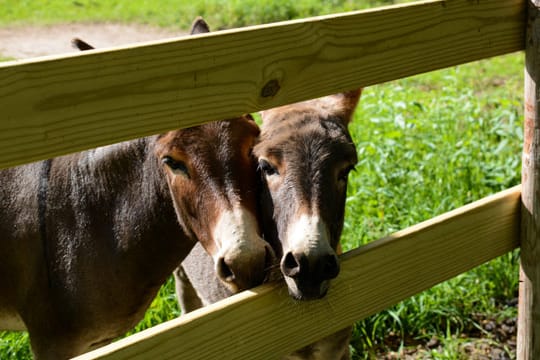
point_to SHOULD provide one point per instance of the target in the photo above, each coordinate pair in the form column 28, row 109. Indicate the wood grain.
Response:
column 265, row 323
column 64, row 104
column 528, row 339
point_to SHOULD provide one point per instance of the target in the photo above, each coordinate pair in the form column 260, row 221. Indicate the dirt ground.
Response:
column 20, row 42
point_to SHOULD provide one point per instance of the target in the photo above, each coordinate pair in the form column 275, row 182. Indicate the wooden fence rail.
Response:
column 265, row 323
column 57, row 105
column 70, row 103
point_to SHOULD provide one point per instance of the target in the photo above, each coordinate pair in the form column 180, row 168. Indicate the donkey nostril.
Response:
column 224, row 271
column 330, row 266
column 290, row 266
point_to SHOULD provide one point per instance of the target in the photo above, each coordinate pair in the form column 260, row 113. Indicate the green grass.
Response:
column 426, row 144
column 173, row 13
column 14, row 345
column 433, row 142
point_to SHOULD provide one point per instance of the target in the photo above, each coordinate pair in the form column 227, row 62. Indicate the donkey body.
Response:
column 305, row 154
column 87, row 239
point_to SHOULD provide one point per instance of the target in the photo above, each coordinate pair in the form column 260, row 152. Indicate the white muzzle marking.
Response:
column 236, row 232
column 308, row 235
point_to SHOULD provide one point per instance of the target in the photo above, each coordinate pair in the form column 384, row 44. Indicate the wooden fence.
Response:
column 56, row 105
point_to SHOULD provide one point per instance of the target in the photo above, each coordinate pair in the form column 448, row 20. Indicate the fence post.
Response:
column 528, row 342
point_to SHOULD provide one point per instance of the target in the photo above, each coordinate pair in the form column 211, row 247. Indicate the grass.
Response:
column 426, row 145
column 434, row 142
column 172, row 13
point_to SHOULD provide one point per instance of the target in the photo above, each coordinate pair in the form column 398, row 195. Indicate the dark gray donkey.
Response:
column 305, row 154
column 87, row 239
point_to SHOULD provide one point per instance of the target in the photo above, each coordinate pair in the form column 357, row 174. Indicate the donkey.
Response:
column 87, row 239
column 305, row 155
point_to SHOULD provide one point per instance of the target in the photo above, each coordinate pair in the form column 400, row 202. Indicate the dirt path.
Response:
column 21, row 42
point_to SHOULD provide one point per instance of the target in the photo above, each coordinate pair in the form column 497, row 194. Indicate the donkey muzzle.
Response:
column 309, row 277
column 245, row 269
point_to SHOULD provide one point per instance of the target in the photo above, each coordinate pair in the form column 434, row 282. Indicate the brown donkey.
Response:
column 87, row 239
column 305, row 154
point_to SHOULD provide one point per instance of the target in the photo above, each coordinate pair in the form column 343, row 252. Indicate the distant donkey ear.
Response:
column 81, row 45
column 199, row 26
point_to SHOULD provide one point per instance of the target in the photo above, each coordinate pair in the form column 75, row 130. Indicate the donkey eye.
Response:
column 267, row 168
column 344, row 174
column 177, row 167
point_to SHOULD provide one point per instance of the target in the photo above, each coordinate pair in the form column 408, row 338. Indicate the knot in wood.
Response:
column 270, row 88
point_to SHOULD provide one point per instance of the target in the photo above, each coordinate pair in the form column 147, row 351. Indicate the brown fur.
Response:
column 87, row 239
column 310, row 153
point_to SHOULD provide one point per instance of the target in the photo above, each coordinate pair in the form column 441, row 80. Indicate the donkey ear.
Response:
column 344, row 104
column 81, row 45
column 199, row 26
column 340, row 105
column 253, row 124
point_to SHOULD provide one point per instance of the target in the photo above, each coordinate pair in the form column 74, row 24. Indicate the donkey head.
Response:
column 212, row 178
column 211, row 175
column 305, row 155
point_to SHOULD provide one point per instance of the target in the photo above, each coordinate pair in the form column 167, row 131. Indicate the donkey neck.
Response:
column 115, row 201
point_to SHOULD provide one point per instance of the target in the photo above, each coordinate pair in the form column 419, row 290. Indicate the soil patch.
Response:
column 22, row 42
